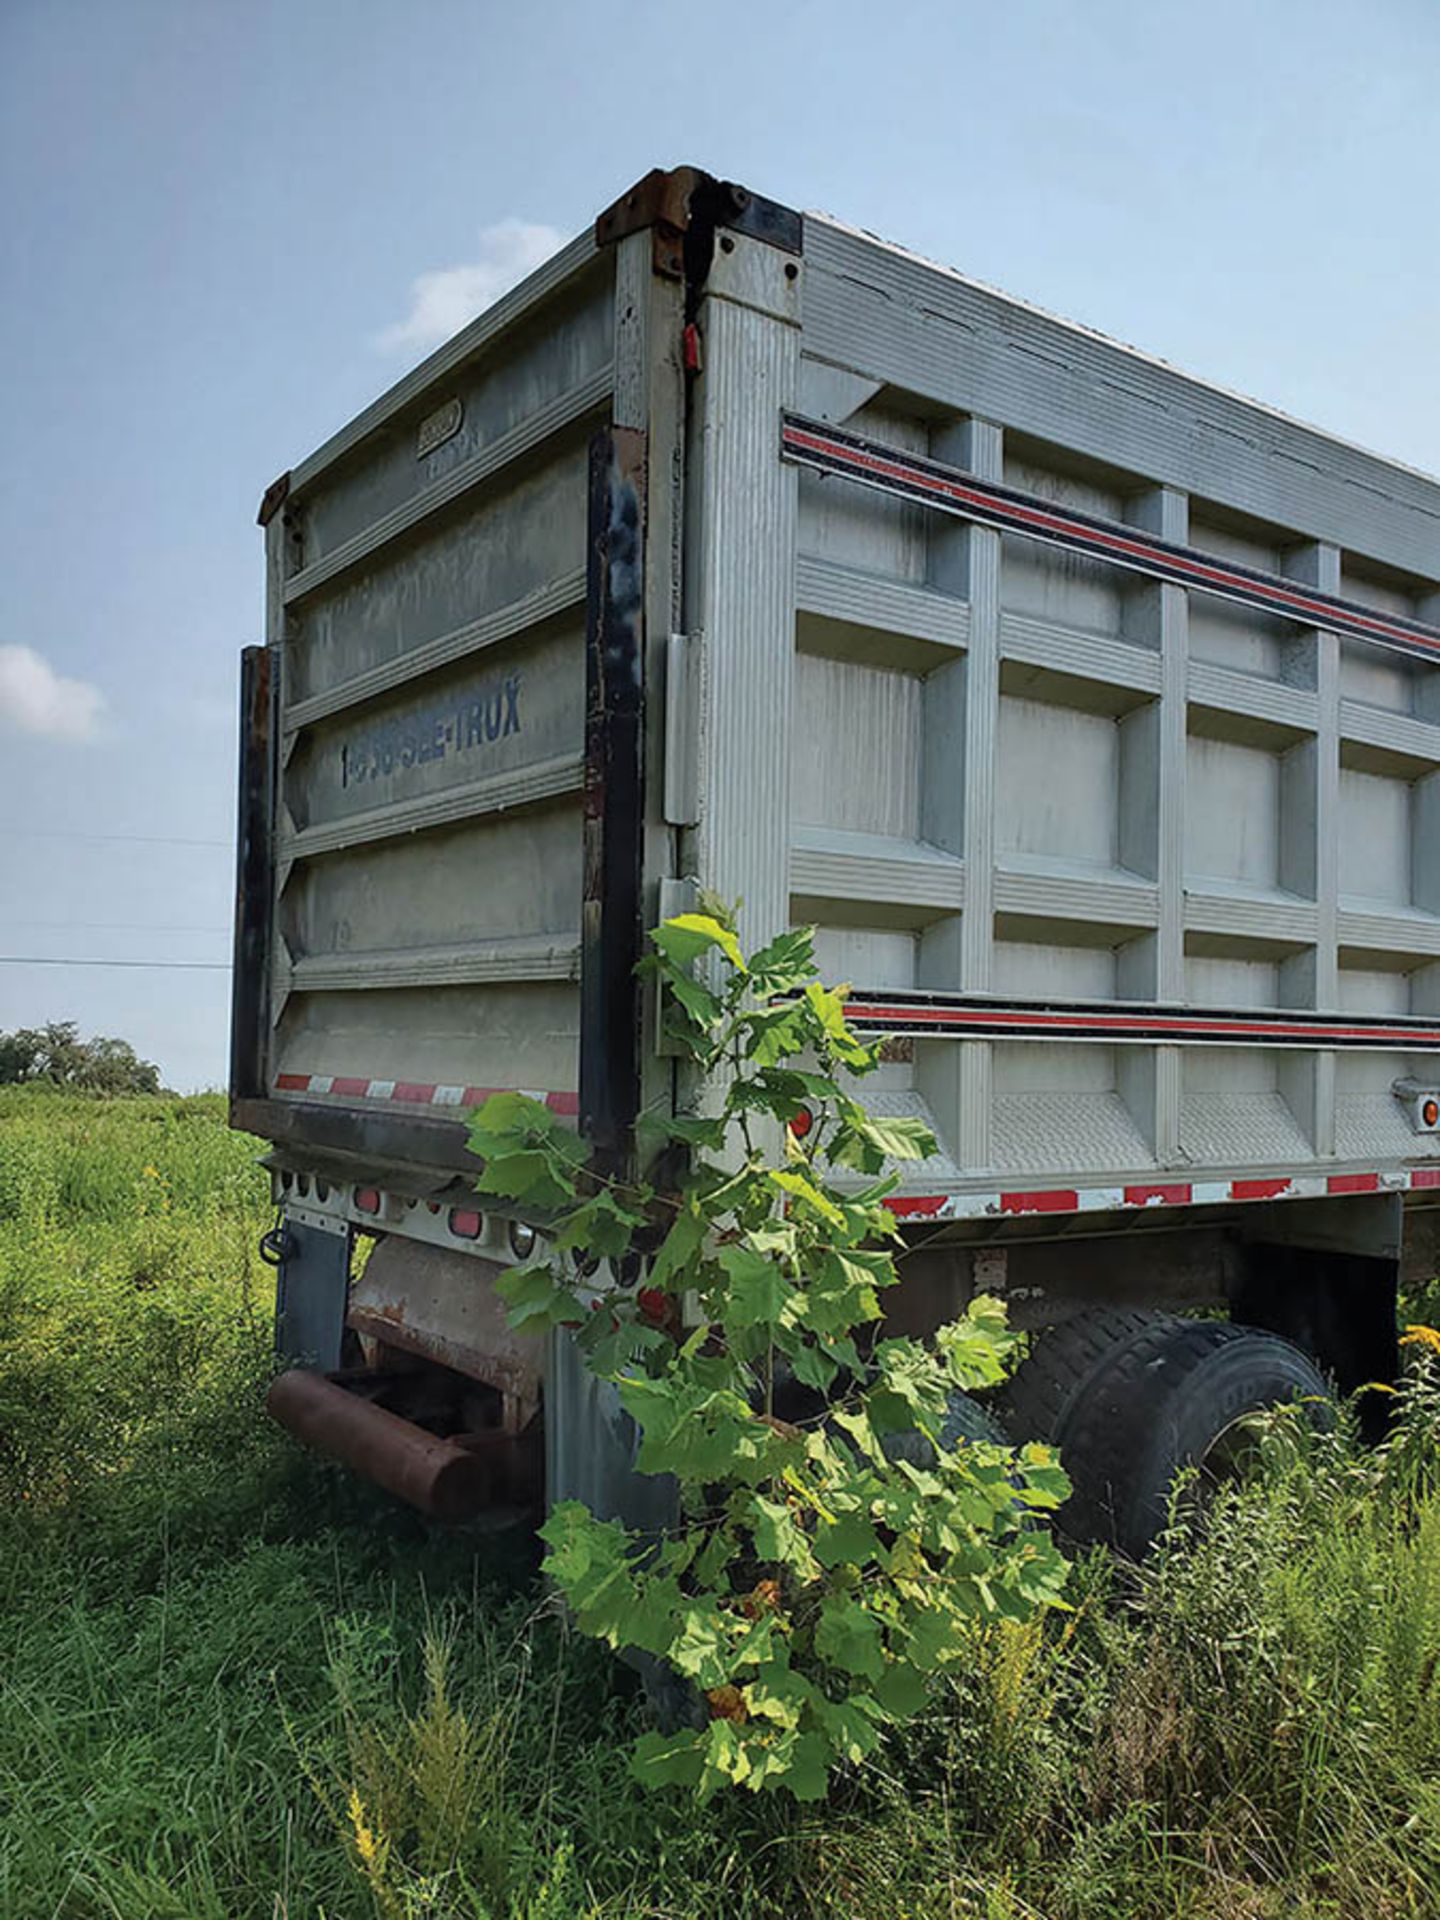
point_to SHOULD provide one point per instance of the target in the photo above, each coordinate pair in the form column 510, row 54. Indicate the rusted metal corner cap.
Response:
column 274, row 497
column 663, row 198
column 677, row 198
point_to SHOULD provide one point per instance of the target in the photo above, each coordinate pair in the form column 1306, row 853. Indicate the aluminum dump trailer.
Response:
column 1090, row 712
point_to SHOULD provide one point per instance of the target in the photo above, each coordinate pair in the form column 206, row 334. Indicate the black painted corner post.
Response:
column 614, row 807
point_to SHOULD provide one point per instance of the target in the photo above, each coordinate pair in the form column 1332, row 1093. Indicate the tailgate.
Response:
column 419, row 937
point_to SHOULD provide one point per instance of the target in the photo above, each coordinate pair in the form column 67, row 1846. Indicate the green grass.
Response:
column 234, row 1683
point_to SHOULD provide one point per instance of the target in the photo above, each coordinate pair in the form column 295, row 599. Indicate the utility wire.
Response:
column 127, row 839
column 112, row 926
column 149, row 966
column 108, row 926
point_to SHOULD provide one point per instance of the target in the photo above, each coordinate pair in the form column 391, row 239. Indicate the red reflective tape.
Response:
column 418, row 1093
column 1259, row 1189
column 1353, row 1183
column 1425, row 1177
column 1313, row 1033
column 925, row 1204
column 979, row 499
column 1057, row 1200
column 1179, row 1196
column 414, row 1093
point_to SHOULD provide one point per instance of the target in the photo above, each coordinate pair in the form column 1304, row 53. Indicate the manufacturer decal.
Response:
column 439, row 734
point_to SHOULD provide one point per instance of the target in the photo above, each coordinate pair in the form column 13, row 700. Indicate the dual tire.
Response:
column 1133, row 1399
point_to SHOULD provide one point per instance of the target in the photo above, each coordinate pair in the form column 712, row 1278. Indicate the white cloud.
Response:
column 36, row 699
column 446, row 300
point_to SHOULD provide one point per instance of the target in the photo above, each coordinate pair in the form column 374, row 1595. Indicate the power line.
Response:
column 126, row 839
column 149, row 966
column 115, row 926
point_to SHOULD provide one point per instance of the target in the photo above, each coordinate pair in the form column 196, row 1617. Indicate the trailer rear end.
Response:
column 1090, row 713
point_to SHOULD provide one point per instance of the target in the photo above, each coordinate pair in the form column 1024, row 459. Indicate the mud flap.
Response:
column 310, row 1295
column 590, row 1448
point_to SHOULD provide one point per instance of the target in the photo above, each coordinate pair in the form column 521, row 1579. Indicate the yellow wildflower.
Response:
column 1421, row 1337
column 365, row 1843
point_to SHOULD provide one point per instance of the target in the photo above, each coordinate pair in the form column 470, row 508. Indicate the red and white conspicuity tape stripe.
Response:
column 1197, row 1193
column 935, row 1206
column 415, row 1093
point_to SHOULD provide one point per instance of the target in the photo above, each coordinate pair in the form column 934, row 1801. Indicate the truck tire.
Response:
column 1149, row 1395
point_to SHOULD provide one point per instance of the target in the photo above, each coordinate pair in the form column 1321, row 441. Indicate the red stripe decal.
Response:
column 1425, row 1177
column 1258, row 1189
column 292, row 1082
column 1180, row 1196
column 923, row 1204
column 1059, row 1200
column 962, row 493
column 1038, row 1020
column 563, row 1103
column 1353, row 1183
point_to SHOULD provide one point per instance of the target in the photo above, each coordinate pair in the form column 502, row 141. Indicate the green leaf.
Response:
column 512, row 1116
column 698, row 1002
column 897, row 1136
column 807, row 1774
column 669, row 1759
column 534, row 1301
column 685, row 936
column 531, row 1174
column 693, row 1130
column 849, row 1637
column 850, row 1725
column 900, row 1689
column 777, row 1538
column 842, row 1293
column 850, row 1538
column 588, row 1560
column 779, row 1694
column 758, row 1291
column 788, row 962
column 602, row 1225
column 804, row 1189
column 775, row 1033
column 701, row 1649
column 812, row 1366
column 828, row 1006
column 678, row 1249
column 979, row 1349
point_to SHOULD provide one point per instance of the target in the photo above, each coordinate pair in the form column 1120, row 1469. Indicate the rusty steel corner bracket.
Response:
column 273, row 498
column 687, row 204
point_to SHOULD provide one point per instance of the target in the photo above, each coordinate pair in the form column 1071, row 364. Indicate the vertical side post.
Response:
column 965, row 561
column 1166, row 511
column 744, row 600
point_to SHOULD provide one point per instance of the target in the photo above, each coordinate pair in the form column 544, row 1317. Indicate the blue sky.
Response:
column 229, row 223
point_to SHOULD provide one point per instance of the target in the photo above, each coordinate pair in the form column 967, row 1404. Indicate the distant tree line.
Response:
column 56, row 1055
